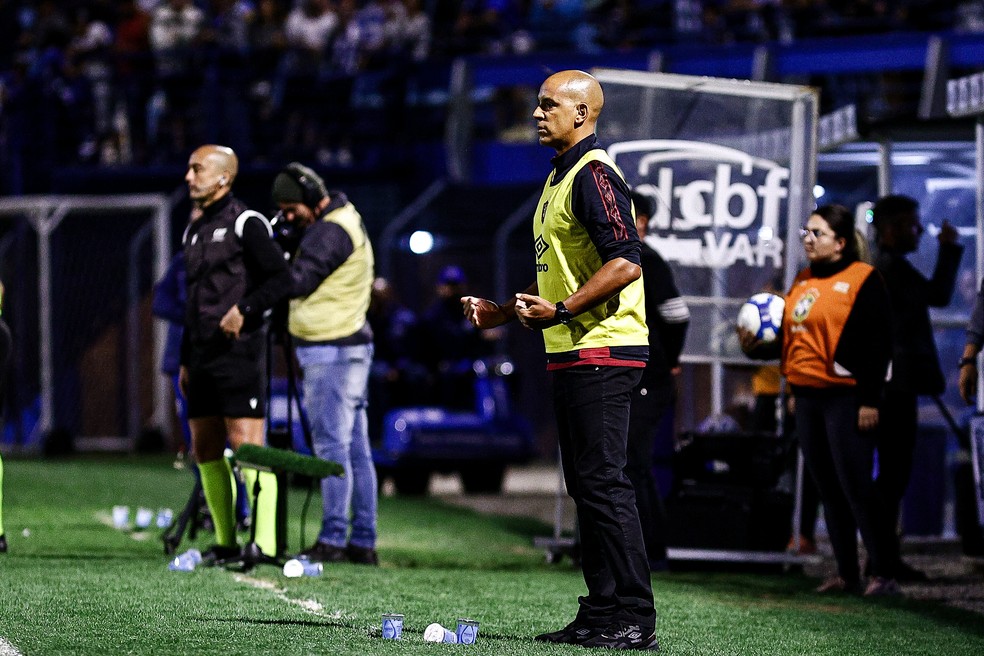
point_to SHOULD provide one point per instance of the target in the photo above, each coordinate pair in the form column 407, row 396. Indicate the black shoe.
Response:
column 362, row 555
column 217, row 555
column 322, row 552
column 624, row 636
column 574, row 633
column 3, row 544
column 905, row 573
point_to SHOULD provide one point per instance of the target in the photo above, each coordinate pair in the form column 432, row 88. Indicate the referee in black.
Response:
column 235, row 273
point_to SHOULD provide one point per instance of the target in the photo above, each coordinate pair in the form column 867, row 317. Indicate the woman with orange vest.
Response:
column 835, row 353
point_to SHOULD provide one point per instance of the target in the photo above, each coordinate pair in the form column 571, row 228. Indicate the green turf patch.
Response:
column 72, row 584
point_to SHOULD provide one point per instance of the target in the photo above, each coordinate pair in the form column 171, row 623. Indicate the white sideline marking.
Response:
column 7, row 649
column 104, row 518
column 307, row 605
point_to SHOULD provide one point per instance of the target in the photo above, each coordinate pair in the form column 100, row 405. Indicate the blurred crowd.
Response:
column 425, row 358
column 141, row 81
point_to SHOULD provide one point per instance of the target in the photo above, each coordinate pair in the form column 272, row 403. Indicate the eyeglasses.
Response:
column 816, row 233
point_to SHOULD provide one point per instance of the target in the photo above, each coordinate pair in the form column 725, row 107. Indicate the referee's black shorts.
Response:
column 228, row 379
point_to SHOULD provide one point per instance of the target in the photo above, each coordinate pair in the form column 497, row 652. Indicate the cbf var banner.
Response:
column 730, row 167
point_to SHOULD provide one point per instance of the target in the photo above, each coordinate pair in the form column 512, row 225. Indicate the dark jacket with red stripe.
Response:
column 601, row 203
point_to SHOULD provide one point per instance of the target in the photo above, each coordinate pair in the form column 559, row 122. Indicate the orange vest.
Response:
column 812, row 323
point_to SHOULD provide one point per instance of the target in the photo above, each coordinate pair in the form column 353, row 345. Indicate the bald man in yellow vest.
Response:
column 588, row 302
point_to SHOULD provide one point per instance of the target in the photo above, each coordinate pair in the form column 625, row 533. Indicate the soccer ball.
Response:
column 761, row 315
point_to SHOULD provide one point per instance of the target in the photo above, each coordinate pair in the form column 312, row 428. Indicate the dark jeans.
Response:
column 896, row 442
column 649, row 405
column 841, row 459
column 592, row 406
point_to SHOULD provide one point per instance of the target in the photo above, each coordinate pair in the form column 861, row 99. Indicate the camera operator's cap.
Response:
column 297, row 183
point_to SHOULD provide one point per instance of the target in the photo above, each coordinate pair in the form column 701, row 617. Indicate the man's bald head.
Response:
column 580, row 87
column 222, row 157
column 211, row 170
column 568, row 107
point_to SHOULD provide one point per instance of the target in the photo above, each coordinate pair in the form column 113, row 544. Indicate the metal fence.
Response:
column 78, row 271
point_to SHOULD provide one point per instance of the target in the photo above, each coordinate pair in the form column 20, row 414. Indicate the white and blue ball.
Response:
column 761, row 315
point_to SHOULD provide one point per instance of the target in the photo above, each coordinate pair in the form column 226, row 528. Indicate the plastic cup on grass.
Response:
column 467, row 631
column 437, row 633
column 143, row 519
column 121, row 516
column 392, row 626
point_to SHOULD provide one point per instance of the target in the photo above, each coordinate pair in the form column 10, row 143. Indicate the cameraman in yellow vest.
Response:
column 331, row 280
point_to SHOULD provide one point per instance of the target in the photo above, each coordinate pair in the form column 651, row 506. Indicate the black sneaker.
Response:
column 217, row 555
column 574, row 633
column 362, row 555
column 3, row 543
column 624, row 636
column 322, row 552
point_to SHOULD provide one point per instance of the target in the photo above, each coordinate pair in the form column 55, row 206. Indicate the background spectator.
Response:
column 397, row 378
column 653, row 399
column 309, row 30
column 449, row 343
column 915, row 363
column 133, row 69
column 89, row 49
column 174, row 32
column 225, row 53
column 268, row 44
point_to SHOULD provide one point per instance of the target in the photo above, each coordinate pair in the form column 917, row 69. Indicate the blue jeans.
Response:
column 335, row 390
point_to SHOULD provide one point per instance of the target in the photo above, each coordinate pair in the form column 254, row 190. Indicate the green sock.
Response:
column 266, row 508
column 1, row 496
column 216, row 476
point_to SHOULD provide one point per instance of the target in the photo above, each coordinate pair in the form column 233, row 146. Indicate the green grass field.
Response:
column 72, row 584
